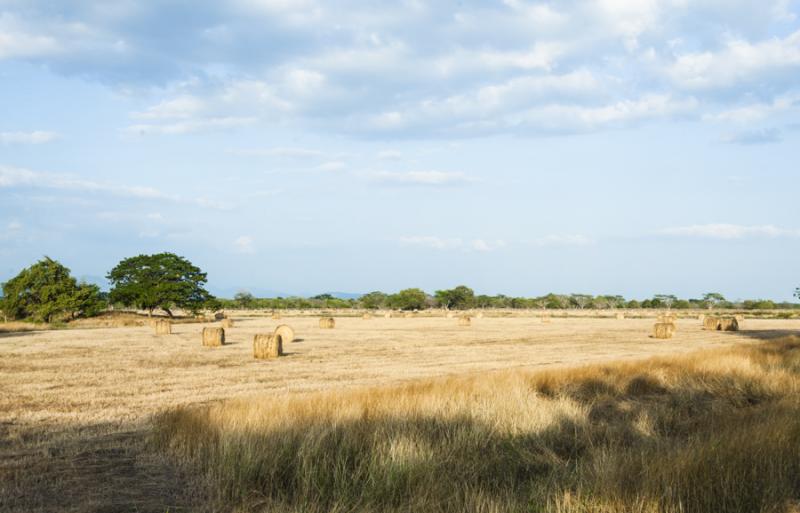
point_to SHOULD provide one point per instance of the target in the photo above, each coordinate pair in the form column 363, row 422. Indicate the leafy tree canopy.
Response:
column 45, row 292
column 408, row 299
column 459, row 298
column 373, row 300
column 163, row 280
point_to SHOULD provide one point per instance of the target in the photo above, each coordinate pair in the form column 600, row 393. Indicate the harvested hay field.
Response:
column 79, row 405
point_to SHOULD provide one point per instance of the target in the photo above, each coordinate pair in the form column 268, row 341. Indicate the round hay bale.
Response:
column 276, row 316
column 711, row 323
column 701, row 317
column 450, row 315
column 367, row 316
column 163, row 327
column 728, row 324
column 545, row 319
column 663, row 330
column 479, row 315
column 620, row 316
column 327, row 323
column 218, row 316
column 267, row 346
column 213, row 337
column 387, row 315
column 285, row 332
column 227, row 323
column 465, row 320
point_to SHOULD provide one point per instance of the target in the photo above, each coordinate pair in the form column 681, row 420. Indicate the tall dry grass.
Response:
column 717, row 430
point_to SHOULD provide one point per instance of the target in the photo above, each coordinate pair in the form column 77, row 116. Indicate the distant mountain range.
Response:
column 229, row 292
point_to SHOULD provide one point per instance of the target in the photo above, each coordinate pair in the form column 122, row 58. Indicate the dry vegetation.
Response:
column 79, row 405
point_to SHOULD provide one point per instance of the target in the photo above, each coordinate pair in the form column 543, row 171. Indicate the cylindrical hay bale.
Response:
column 408, row 315
column 267, row 346
column 327, row 323
column 219, row 316
column 545, row 319
column 701, row 317
column 465, row 320
column 479, row 315
column 213, row 337
column 163, row 327
column 450, row 315
column 728, row 324
column 367, row 316
column 285, row 332
column 620, row 316
column 663, row 330
column 711, row 323
column 668, row 318
column 387, row 315
column 227, row 323
column 276, row 316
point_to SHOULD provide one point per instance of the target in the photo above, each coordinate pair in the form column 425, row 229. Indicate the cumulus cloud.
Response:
column 753, row 137
column 414, row 68
column 730, row 231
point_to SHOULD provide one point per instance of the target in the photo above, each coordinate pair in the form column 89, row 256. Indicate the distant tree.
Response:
column 323, row 297
column 797, row 292
column 163, row 280
column 459, row 298
column 408, row 299
column 373, row 300
column 633, row 304
column 664, row 299
column 46, row 292
column 581, row 300
column 244, row 299
column 713, row 299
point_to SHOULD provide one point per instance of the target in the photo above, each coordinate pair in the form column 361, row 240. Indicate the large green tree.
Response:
column 163, row 280
column 46, row 292
column 459, row 298
column 408, row 299
column 373, row 300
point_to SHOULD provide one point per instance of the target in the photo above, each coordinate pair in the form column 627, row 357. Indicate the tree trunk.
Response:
column 168, row 312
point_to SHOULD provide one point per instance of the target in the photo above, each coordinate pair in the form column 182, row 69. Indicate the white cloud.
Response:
column 19, row 177
column 730, row 231
column 36, row 137
column 17, row 41
column 177, row 108
column 753, row 137
column 739, row 61
column 428, row 178
column 191, row 126
column 244, row 244
column 390, row 155
column 486, row 246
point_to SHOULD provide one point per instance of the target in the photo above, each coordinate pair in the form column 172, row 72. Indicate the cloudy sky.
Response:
column 610, row 146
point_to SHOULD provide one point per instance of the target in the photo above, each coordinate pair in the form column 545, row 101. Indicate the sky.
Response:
column 632, row 147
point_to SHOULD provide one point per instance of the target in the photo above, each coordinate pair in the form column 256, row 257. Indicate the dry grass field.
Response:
column 79, row 409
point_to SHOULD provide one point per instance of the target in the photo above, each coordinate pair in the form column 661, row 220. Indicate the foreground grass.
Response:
column 716, row 430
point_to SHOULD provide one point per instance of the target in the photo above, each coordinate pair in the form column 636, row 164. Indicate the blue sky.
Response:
column 520, row 147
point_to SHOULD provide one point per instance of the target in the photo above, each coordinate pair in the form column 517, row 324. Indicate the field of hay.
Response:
column 491, row 417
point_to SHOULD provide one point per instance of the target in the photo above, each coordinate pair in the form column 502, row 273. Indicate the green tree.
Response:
column 244, row 299
column 408, row 299
column 163, row 280
column 45, row 292
column 581, row 300
column 459, row 298
column 373, row 300
column 797, row 292
column 713, row 299
column 664, row 299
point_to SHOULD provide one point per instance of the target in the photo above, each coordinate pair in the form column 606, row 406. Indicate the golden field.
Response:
column 402, row 414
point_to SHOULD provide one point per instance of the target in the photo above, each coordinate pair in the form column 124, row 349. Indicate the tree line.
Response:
column 46, row 292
